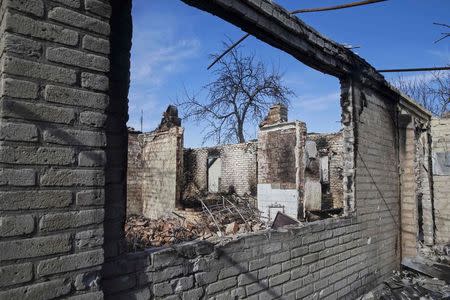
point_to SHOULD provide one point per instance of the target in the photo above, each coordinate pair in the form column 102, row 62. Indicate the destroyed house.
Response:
column 64, row 148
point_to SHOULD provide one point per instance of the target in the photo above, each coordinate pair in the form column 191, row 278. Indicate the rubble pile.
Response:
column 439, row 253
column 409, row 285
column 227, row 215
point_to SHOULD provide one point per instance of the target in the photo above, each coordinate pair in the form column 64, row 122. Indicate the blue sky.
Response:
column 172, row 42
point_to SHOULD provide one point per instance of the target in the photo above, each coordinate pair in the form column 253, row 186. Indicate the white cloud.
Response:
column 444, row 55
column 156, row 56
column 318, row 103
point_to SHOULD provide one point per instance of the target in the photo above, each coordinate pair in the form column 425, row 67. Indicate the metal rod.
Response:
column 414, row 69
column 348, row 5
column 214, row 220
column 228, row 50
column 342, row 6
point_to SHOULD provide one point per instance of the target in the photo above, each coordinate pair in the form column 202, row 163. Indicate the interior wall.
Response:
column 238, row 170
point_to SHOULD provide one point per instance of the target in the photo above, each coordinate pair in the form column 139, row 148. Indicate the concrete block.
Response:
column 90, row 197
column 71, row 3
column 18, row 132
column 17, row 177
column 16, row 225
column 34, row 247
column 93, row 118
column 58, row 94
column 221, row 285
column 97, row 7
column 75, row 137
column 22, row 200
column 39, row 29
column 19, row 88
column 96, row 44
column 44, row 290
column 68, row 177
column 64, row 220
column 37, row 155
column 89, row 238
column 92, row 158
column 38, row 112
column 78, row 20
column 94, row 81
column 21, row 46
column 20, row 67
column 15, row 274
column 35, row 7
column 70, row 262
column 78, row 58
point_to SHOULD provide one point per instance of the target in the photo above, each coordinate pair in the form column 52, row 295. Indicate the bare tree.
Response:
column 241, row 94
column 431, row 90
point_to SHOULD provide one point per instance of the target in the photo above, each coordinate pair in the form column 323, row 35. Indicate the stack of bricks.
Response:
column 54, row 85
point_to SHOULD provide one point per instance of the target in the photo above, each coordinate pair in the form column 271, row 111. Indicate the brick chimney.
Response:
column 277, row 114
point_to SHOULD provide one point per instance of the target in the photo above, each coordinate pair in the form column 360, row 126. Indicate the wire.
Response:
column 378, row 189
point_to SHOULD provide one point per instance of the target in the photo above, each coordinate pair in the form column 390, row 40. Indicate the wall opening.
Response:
column 291, row 162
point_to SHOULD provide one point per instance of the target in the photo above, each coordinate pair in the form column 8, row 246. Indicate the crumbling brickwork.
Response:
column 440, row 132
column 134, row 174
column 281, row 168
column 238, row 171
column 154, row 176
column 332, row 146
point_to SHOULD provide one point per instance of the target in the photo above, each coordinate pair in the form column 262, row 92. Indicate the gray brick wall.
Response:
column 53, row 149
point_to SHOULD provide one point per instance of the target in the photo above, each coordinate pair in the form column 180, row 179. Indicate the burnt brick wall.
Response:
column 239, row 167
column 440, row 135
column 277, row 157
column 154, row 174
column 134, row 175
column 332, row 145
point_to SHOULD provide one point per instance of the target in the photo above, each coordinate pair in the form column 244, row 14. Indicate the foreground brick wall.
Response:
column 54, row 84
column 238, row 168
column 440, row 135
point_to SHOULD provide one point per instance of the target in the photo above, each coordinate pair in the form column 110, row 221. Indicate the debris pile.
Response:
column 409, row 285
column 226, row 215
column 439, row 253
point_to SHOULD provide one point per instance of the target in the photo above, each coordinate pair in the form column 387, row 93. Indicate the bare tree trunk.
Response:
column 240, row 133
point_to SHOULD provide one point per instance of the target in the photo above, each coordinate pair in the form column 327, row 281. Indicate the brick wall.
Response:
column 55, row 60
column 332, row 145
column 134, row 175
column 281, row 166
column 57, row 229
column 238, row 169
column 440, row 135
column 154, row 176
column 409, row 211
